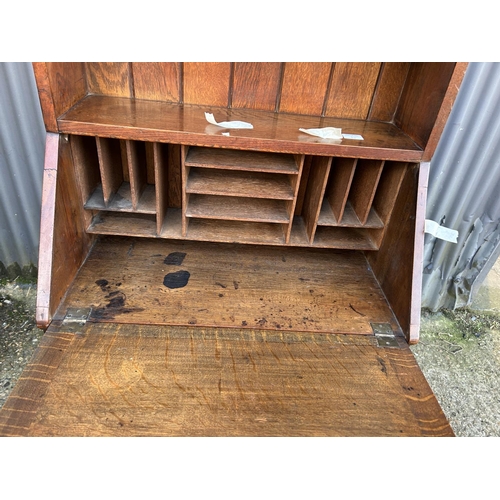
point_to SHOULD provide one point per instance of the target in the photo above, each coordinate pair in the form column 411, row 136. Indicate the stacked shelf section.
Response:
column 244, row 196
column 121, row 184
column 153, row 189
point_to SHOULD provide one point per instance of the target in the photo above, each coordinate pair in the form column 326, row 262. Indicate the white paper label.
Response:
column 354, row 137
column 441, row 232
column 232, row 124
column 324, row 133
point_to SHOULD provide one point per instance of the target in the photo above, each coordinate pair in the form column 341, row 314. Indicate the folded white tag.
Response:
column 232, row 124
column 324, row 133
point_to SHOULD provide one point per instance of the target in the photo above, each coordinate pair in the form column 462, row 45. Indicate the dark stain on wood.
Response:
column 174, row 259
column 103, row 284
column 179, row 279
column 114, row 307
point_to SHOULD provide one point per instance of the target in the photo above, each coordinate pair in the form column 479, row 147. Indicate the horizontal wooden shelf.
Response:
column 251, row 161
column 123, row 224
column 237, row 183
column 122, row 200
column 155, row 121
column 233, row 208
column 349, row 218
column 229, row 231
column 343, row 237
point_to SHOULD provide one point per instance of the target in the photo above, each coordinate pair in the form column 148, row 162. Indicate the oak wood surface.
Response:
column 239, row 183
column 158, row 81
column 142, row 225
column 274, row 132
column 230, row 159
column 206, row 83
column 132, row 380
column 60, row 85
column 243, row 286
column 339, row 184
column 64, row 245
column 351, row 89
column 349, row 219
column 109, row 78
column 304, row 87
column 137, row 170
column 316, row 185
column 388, row 91
column 422, row 99
column 364, row 186
column 234, row 208
column 256, row 85
column 399, row 259
column 111, row 167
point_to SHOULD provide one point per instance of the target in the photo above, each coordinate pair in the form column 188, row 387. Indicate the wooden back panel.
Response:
column 411, row 95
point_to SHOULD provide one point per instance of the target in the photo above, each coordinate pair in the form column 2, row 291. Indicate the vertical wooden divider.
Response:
column 108, row 151
column 385, row 198
column 124, row 157
column 318, row 177
column 86, row 165
column 137, row 172
column 339, row 184
column 185, row 195
column 290, row 205
column 364, row 187
column 161, row 183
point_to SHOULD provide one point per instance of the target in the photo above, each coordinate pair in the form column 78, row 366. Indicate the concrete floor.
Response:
column 459, row 354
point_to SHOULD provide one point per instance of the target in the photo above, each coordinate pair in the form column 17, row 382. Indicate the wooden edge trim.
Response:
column 45, row 252
column 45, row 96
column 418, row 258
column 418, row 394
column 444, row 111
column 20, row 410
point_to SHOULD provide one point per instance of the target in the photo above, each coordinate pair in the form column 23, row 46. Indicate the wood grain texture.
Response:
column 422, row 99
column 339, row 184
column 239, row 183
column 388, row 92
column 235, row 208
column 162, row 186
column 157, row 81
column 316, row 185
column 394, row 263
column 47, row 222
column 45, row 95
column 304, row 88
column 63, row 242
column 273, row 132
column 364, row 186
column 206, row 83
column 351, row 90
column 130, row 380
column 250, row 161
column 174, row 176
column 283, row 288
column 109, row 78
column 256, row 85
column 111, row 166
column 60, row 86
column 87, row 173
column 444, row 111
column 137, row 170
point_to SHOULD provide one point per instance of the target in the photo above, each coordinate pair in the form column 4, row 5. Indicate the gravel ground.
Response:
column 459, row 354
column 19, row 335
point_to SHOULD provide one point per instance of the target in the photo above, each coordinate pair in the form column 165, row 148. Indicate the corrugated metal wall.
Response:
column 464, row 193
column 22, row 142
column 464, row 184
